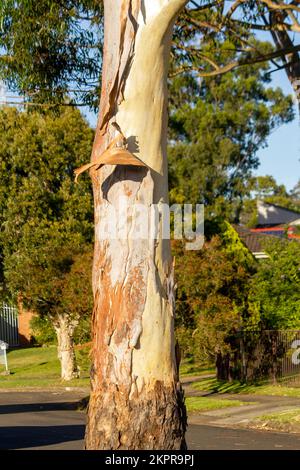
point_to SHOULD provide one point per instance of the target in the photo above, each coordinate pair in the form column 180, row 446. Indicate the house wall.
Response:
column 25, row 317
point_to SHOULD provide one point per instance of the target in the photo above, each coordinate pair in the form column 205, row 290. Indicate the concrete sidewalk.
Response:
column 237, row 415
column 244, row 414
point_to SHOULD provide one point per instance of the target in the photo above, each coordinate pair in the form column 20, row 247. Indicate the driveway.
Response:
column 237, row 415
column 41, row 420
column 50, row 420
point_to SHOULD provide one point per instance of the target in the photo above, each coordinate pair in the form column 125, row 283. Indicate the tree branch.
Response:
column 260, row 27
column 173, row 7
column 206, row 6
column 237, row 63
column 203, row 24
column 280, row 5
column 269, row 3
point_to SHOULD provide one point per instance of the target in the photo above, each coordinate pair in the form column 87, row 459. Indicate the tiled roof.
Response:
column 271, row 214
column 252, row 240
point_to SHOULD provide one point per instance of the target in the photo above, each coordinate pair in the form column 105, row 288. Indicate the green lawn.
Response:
column 189, row 368
column 282, row 417
column 286, row 421
column 213, row 385
column 38, row 368
column 207, row 404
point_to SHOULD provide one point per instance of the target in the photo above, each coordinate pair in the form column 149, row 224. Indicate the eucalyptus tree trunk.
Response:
column 64, row 328
column 291, row 61
column 136, row 400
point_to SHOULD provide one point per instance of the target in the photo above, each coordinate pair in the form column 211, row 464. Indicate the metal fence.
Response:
column 272, row 355
column 289, row 369
column 9, row 331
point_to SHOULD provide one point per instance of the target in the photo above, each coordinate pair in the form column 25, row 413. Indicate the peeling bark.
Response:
column 64, row 328
column 151, row 421
column 136, row 399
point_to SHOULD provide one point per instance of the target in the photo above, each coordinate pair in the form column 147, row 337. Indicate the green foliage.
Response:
column 55, row 290
column 82, row 334
column 54, row 281
column 275, row 288
column 38, row 156
column 215, row 135
column 42, row 330
column 212, row 295
column 46, row 218
column 223, row 290
column 235, row 247
column 51, row 47
column 83, row 357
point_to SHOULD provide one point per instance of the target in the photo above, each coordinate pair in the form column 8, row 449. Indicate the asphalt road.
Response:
column 35, row 420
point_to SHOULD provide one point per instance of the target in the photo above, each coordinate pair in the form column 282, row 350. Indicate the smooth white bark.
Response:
column 134, row 364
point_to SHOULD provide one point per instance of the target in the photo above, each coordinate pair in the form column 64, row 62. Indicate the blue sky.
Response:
column 281, row 158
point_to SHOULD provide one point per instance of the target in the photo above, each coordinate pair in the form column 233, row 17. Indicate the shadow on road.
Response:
column 22, row 437
column 33, row 407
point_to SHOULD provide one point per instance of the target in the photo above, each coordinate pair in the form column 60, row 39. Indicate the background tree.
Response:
column 238, row 19
column 56, row 284
column 212, row 297
column 76, row 298
column 296, row 191
column 57, row 52
column 46, row 219
column 51, row 50
column 215, row 135
column 275, row 288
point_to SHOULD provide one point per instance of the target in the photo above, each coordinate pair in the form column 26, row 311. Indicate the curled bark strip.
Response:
column 111, row 156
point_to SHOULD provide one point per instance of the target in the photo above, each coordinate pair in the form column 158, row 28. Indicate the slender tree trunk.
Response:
column 64, row 328
column 136, row 400
column 223, row 367
column 282, row 40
